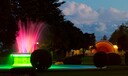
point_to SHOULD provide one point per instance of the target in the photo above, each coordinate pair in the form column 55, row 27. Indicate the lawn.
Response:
column 88, row 60
column 110, row 71
column 120, row 70
column 117, row 70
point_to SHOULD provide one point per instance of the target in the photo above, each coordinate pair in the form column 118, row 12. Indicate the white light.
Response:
column 21, row 55
column 37, row 42
column 115, row 46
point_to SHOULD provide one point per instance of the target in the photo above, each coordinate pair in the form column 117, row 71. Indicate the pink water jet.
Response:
column 28, row 36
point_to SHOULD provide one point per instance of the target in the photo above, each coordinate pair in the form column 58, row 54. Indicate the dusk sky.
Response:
column 101, row 17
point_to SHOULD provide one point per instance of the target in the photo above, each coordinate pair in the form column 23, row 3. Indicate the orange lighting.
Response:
column 104, row 46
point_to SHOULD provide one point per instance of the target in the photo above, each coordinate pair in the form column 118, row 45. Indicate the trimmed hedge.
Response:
column 100, row 59
column 41, row 59
column 126, row 58
column 114, row 59
column 74, row 60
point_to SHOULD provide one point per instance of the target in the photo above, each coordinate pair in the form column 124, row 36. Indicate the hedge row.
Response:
column 102, row 59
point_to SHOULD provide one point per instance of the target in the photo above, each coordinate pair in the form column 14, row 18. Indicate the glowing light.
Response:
column 116, row 48
column 37, row 43
column 21, row 60
column 27, row 36
column 57, row 67
column 104, row 46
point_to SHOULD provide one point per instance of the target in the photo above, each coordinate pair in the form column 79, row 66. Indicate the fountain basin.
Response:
column 20, row 59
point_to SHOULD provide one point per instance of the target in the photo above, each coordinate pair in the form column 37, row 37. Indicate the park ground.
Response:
column 116, row 70
column 121, row 70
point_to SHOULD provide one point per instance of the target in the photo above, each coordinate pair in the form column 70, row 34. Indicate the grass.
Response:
column 120, row 70
column 117, row 70
column 88, row 60
column 111, row 71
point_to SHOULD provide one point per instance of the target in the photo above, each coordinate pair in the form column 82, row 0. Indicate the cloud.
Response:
column 101, row 21
column 60, row 0
column 79, row 13
column 112, row 15
column 101, row 27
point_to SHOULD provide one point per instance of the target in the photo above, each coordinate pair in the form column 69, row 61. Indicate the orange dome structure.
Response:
column 104, row 46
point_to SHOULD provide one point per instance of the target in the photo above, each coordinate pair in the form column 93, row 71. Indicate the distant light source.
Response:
column 21, row 59
column 115, row 46
column 37, row 43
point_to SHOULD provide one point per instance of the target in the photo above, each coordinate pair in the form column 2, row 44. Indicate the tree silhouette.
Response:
column 45, row 10
column 8, row 26
column 120, row 37
column 59, row 33
column 104, row 37
column 89, row 40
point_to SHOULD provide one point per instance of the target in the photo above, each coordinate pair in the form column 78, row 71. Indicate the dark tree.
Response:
column 120, row 37
column 8, row 25
column 104, row 37
column 123, row 43
column 116, row 34
column 45, row 10
column 59, row 34
column 89, row 40
column 75, row 35
column 114, row 37
column 42, row 10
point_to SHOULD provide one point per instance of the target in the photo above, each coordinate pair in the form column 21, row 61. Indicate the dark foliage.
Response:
column 73, row 60
column 41, row 59
column 8, row 25
column 100, row 59
column 58, row 30
column 126, row 58
column 123, row 42
column 45, row 10
column 114, row 59
column 89, row 40
column 120, row 37
column 60, row 54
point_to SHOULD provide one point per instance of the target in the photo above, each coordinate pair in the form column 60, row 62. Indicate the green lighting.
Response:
column 21, row 55
column 5, row 67
column 21, row 60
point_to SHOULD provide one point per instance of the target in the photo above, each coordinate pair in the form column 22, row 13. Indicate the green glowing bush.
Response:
column 100, row 59
column 114, row 59
column 41, row 59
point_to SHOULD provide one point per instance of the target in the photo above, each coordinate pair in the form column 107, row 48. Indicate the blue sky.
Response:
column 96, row 4
column 101, row 17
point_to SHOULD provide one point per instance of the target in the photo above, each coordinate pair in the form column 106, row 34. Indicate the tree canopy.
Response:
column 58, row 33
column 120, row 37
column 8, row 26
column 89, row 40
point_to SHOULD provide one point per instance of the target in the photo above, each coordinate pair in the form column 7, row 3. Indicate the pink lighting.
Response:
column 28, row 36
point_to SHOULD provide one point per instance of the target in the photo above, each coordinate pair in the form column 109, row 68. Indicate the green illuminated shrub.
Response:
column 100, row 59
column 41, row 59
column 114, row 59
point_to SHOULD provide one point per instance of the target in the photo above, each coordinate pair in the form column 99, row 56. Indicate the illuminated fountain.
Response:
column 26, row 39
